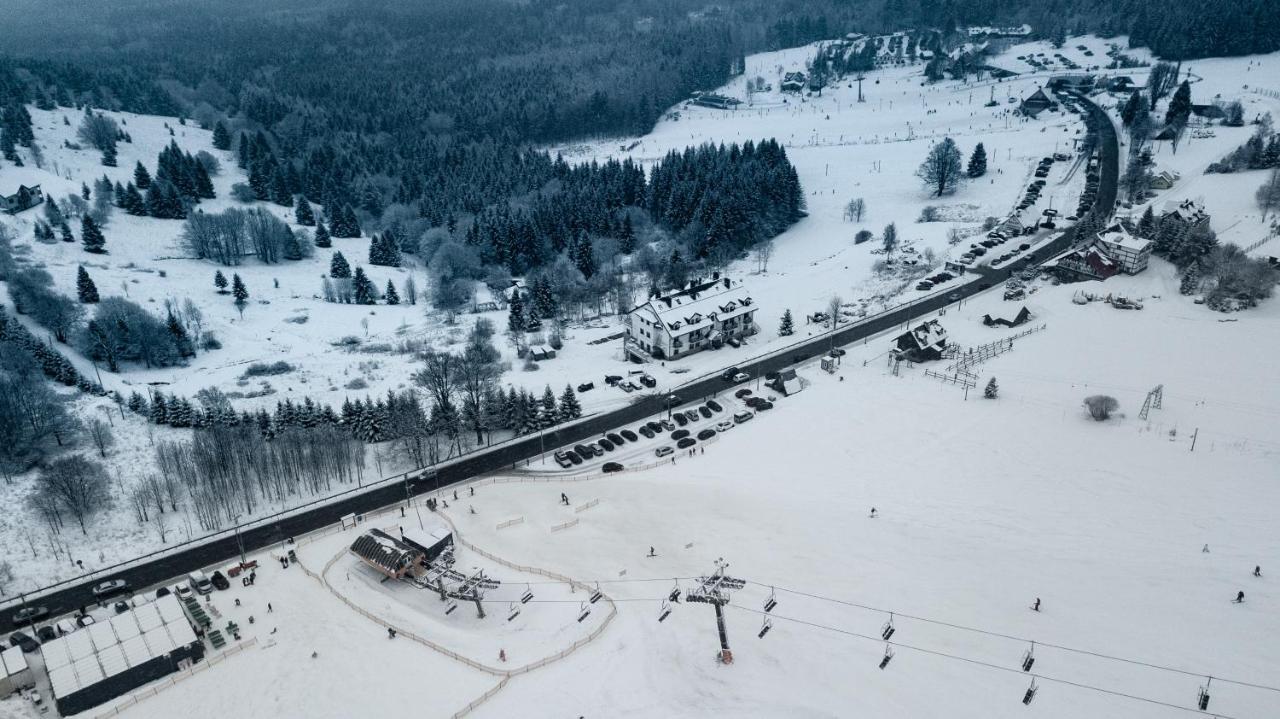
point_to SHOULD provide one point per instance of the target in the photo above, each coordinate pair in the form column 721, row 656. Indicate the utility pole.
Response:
column 860, row 78
column 714, row 590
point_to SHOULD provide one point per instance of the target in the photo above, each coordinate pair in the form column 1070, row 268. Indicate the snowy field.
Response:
column 983, row 507
column 841, row 148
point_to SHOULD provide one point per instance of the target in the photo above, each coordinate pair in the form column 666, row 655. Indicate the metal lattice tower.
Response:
column 714, row 590
column 1152, row 402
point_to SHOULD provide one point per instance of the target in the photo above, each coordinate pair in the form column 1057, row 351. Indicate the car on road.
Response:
column 629, row 435
column 24, row 642
column 680, row 418
column 724, row 426
column 562, row 459
column 837, row 352
column 686, row 443
column 741, row 377
column 611, row 467
column 742, row 393
column 27, row 615
column 664, row 450
column 714, row 405
column 605, row 443
column 615, row 438
column 646, row 432
column 586, row 387
column 953, row 296
column 105, row 589
column 729, row 373
column 705, row 411
column 706, row 434
column 743, row 416
column 679, row 434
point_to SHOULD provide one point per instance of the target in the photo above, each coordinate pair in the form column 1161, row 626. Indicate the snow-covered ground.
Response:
column 983, row 507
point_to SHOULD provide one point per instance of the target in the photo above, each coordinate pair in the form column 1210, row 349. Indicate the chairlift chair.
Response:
column 664, row 611
column 595, row 596
column 675, row 594
column 527, row 596
column 512, row 611
column 765, row 627
column 1202, row 701
column 888, row 656
column 1031, row 692
column 771, row 602
column 583, row 611
column 1029, row 658
column 888, row 629
column 452, row 606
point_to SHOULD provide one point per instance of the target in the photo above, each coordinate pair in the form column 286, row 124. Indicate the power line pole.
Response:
column 714, row 590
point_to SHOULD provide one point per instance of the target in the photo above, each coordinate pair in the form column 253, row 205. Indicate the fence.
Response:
column 982, row 353
column 584, row 507
column 1259, row 243
column 195, row 669
column 511, row 522
column 955, row 379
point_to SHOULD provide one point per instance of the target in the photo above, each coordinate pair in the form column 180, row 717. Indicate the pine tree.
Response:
column 1132, row 107
column 221, row 138
column 141, row 177
column 390, row 295
column 85, row 289
column 978, row 161
column 292, row 246
column 109, row 156
column 1179, row 105
column 627, row 236
column 220, row 281
column 322, row 236
column 362, row 287
column 787, row 327
column 515, row 313
column 338, row 267
column 570, row 408
column 133, row 202
column 992, row 389
column 303, row 214
column 204, row 184
column 159, row 410
column 181, row 341
column 1147, row 225
column 240, row 293
column 91, row 237
column 66, row 233
column 548, row 414
column 1190, row 284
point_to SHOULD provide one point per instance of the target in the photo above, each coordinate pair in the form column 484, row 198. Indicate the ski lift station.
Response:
column 408, row 554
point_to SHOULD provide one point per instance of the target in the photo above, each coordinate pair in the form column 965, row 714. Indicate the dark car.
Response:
column 648, row 433
column 629, row 435
column 1024, row 247
column 586, row 386
column 706, row 434
column 122, row 607
column 573, row 456
column 654, row 426
column 680, row 419
column 605, row 444
column 705, row 411
column 612, row 467
column 763, row 404
column 27, row 615
column 612, row 379
column 728, row 374
column 742, row 393
column 46, row 634
column 108, row 588
column 162, row 592
column 583, row 450
column 615, row 438
column 686, row 443
column 714, row 405
column 24, row 642
column 680, row 434
column 220, row 581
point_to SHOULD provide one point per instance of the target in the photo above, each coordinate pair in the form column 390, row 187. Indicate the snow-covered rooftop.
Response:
column 1118, row 236
column 690, row 308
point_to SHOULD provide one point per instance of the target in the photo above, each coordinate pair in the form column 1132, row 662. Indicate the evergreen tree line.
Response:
column 1260, row 152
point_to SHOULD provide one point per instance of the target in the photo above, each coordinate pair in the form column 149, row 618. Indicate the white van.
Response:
column 743, row 416
column 199, row 583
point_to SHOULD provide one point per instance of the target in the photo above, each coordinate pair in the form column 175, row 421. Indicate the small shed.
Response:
column 1021, row 318
column 14, row 671
column 431, row 540
column 386, row 554
column 788, row 382
column 925, row 342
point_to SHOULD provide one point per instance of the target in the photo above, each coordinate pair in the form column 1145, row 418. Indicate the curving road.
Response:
column 166, row 568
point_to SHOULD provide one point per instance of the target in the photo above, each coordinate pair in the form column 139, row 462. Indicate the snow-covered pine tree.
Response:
column 159, row 410
column 362, row 287
column 91, row 236
column 322, row 236
column 515, row 313
column 302, row 213
column 338, row 267
column 141, row 177
column 240, row 293
column 548, row 415
column 570, row 408
column 220, row 281
column 978, row 161
column 65, row 230
column 544, row 300
column 292, row 245
column 221, row 138
column 627, row 236
column 991, row 390
column 390, row 295
column 787, row 327
column 86, row 291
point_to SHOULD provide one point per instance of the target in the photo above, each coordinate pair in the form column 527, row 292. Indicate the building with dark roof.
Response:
column 25, row 198
column 1037, row 103
column 385, row 553
column 928, row 341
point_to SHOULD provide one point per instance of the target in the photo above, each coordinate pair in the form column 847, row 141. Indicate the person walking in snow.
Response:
column 1037, row 605
column 391, row 633
column 1257, row 571
column 1239, row 597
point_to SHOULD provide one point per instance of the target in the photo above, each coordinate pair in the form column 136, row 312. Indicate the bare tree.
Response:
column 763, row 251
column 101, row 434
column 79, row 486
column 99, row 131
column 1268, row 196
column 1160, row 82
column 854, row 211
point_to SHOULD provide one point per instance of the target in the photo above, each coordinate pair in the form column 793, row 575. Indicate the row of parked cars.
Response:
column 932, row 281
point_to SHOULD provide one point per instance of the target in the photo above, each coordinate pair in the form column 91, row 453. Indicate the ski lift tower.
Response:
column 714, row 590
column 860, row 78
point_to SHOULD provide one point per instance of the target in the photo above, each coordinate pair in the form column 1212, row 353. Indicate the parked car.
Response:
column 742, row 393
column 596, row 449
column 583, row 451
column 199, row 583
column 27, row 615
column 686, row 443
column 644, row 430
column 611, row 467
column 680, row 418
column 691, row 415
column 705, row 411
column 615, row 438
column 706, row 434
column 714, row 405
column 724, row 426
column 605, row 443
column 586, row 387
column 562, row 459
column 573, row 456
column 654, row 426
column 924, row 285
column 679, row 434
column 743, row 416
column 65, row 627
column 46, row 634
column 612, row 379
column 24, row 642
column 664, row 450
column 626, row 387
column 220, row 581
column 763, row 405
column 667, row 426
column 648, row 381
column 162, row 592
column 629, row 435
column 1024, row 246
column 84, row 620
column 101, row 590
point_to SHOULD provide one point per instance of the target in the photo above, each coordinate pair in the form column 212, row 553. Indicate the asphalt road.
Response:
column 169, row 567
